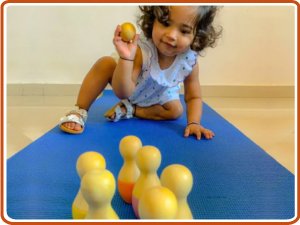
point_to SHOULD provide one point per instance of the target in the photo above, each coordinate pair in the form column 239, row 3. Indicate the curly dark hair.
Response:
column 205, row 33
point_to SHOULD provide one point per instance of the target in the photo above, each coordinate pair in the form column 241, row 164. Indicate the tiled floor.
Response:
column 269, row 122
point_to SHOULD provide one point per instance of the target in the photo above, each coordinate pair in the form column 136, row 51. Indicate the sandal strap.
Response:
column 129, row 108
column 118, row 114
column 79, row 111
column 72, row 118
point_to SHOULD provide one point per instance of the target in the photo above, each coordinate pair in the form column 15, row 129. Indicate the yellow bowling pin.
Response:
column 148, row 161
column 129, row 172
column 179, row 180
column 98, row 188
column 85, row 162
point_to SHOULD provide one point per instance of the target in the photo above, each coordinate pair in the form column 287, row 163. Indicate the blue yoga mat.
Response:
column 233, row 177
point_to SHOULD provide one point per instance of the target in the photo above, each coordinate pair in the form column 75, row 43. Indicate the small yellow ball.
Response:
column 127, row 31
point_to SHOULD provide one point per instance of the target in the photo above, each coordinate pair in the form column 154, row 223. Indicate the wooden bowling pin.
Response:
column 148, row 160
column 158, row 203
column 179, row 180
column 98, row 188
column 129, row 172
column 85, row 162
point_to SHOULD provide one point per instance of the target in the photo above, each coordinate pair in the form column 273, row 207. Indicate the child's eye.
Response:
column 166, row 23
column 186, row 31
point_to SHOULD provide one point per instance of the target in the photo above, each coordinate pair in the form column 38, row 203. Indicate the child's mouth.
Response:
column 169, row 45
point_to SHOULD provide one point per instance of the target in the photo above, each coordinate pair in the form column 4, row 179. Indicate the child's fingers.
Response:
column 209, row 134
column 117, row 31
column 117, row 38
column 187, row 132
column 136, row 38
column 198, row 135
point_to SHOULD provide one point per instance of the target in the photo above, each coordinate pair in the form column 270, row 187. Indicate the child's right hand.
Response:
column 125, row 50
column 198, row 131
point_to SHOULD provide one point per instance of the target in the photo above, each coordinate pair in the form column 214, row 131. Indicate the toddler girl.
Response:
column 150, row 68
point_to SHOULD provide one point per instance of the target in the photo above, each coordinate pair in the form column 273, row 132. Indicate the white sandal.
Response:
column 76, row 115
column 118, row 111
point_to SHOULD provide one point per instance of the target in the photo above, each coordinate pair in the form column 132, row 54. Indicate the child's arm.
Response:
column 192, row 96
column 128, row 67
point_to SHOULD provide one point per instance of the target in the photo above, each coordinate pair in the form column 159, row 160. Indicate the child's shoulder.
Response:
column 189, row 54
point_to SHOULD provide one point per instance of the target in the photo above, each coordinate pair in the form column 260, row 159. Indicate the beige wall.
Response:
column 257, row 47
column 58, row 44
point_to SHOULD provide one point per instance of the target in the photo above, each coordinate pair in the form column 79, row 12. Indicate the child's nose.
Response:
column 171, row 33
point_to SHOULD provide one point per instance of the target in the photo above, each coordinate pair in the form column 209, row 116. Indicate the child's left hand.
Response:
column 198, row 131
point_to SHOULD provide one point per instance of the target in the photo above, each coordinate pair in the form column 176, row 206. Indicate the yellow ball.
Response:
column 89, row 161
column 127, row 31
column 158, row 203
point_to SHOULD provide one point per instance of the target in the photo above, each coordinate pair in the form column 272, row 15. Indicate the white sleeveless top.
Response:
column 157, row 86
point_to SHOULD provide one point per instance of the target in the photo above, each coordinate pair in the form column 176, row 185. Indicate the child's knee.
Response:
column 106, row 64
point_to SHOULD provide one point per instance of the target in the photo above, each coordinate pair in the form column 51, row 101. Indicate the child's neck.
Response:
column 165, row 61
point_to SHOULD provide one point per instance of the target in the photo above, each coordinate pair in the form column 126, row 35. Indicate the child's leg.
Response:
column 95, row 81
column 168, row 111
column 93, row 84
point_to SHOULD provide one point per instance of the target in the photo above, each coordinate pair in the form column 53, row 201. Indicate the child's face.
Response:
column 177, row 34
